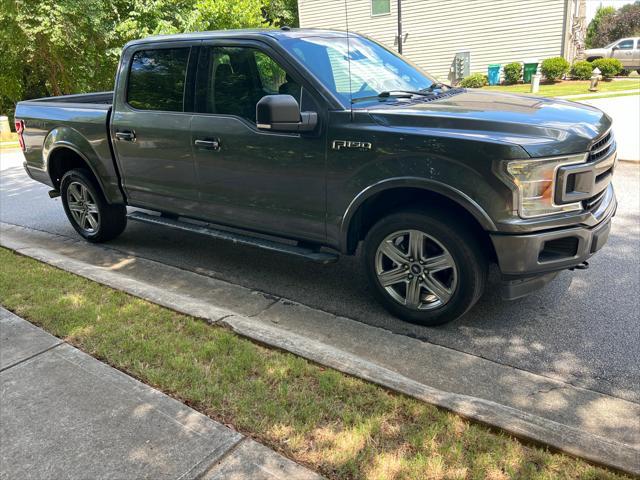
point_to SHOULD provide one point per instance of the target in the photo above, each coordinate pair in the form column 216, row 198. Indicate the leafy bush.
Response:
column 582, row 70
column 512, row 72
column 475, row 80
column 554, row 68
column 608, row 67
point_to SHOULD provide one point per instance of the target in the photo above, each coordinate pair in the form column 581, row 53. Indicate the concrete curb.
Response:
column 522, row 424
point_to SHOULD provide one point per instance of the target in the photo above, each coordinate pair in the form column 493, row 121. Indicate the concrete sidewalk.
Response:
column 64, row 414
column 579, row 421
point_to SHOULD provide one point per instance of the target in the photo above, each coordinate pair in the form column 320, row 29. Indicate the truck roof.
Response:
column 271, row 33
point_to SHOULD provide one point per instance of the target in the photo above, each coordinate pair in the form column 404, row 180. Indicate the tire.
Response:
column 87, row 209
column 453, row 266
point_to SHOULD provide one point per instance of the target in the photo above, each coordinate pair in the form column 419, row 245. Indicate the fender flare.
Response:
column 51, row 145
column 428, row 185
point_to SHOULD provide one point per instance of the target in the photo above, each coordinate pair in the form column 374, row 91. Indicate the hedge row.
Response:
column 552, row 69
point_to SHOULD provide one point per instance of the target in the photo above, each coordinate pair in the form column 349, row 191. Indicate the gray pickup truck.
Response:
column 313, row 143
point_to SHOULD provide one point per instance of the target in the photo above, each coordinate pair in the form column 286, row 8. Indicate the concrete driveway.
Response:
column 625, row 112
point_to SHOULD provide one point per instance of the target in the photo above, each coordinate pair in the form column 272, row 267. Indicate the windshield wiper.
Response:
column 394, row 94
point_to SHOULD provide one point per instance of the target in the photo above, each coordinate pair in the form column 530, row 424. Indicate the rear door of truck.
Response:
column 151, row 130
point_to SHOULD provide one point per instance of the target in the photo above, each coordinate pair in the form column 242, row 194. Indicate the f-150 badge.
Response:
column 339, row 144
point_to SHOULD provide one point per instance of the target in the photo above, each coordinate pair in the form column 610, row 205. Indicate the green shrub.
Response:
column 582, row 70
column 608, row 67
column 554, row 68
column 475, row 80
column 512, row 72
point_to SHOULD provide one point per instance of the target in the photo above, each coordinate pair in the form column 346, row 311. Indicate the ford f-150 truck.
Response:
column 318, row 143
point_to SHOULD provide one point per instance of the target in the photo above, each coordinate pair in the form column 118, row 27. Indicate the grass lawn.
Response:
column 573, row 87
column 338, row 425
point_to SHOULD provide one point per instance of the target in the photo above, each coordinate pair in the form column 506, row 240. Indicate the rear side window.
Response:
column 157, row 79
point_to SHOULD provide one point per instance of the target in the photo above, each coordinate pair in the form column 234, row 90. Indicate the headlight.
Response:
column 535, row 182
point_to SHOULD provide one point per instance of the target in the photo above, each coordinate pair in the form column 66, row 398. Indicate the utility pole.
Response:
column 399, row 26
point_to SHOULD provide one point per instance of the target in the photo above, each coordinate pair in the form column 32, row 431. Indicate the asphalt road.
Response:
column 583, row 328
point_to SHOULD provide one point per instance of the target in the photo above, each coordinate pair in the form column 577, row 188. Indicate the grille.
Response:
column 589, row 203
column 602, row 147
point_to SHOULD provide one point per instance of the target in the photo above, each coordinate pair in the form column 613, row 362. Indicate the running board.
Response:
column 237, row 238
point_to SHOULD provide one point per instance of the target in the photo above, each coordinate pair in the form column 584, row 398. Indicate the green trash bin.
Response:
column 494, row 74
column 530, row 70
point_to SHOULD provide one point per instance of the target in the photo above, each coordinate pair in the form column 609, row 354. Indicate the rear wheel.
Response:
column 424, row 268
column 87, row 209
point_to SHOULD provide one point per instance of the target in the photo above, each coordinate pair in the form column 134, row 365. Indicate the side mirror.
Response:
column 615, row 47
column 281, row 113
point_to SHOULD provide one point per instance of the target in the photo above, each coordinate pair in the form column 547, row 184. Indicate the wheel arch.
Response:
column 65, row 148
column 392, row 195
column 64, row 157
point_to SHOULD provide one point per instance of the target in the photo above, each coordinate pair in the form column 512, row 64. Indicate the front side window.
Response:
column 231, row 81
column 157, row 79
column 626, row 45
column 380, row 7
column 356, row 68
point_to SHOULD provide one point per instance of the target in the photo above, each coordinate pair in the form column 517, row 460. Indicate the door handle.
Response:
column 208, row 144
column 127, row 135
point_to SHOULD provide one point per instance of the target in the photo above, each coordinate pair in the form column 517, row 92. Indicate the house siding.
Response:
column 494, row 31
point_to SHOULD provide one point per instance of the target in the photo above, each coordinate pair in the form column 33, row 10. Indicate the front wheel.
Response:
column 424, row 268
column 88, row 210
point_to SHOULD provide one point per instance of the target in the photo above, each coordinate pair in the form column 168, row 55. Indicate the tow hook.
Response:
column 583, row 266
column 54, row 193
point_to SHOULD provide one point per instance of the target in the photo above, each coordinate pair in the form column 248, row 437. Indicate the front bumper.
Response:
column 551, row 251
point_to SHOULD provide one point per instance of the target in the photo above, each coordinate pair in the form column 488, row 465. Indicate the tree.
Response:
column 625, row 23
column 54, row 48
column 57, row 47
column 592, row 40
column 153, row 17
column 278, row 13
column 610, row 25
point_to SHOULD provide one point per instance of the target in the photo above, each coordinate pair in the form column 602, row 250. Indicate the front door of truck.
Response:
column 269, row 182
column 151, row 130
column 623, row 51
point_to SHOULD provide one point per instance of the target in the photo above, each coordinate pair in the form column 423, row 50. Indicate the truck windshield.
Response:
column 373, row 68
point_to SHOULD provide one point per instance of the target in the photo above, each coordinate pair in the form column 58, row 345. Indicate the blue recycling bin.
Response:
column 494, row 74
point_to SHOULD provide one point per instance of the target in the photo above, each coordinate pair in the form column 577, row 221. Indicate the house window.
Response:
column 380, row 7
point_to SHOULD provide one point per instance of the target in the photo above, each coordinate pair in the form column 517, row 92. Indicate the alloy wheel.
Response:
column 416, row 270
column 83, row 207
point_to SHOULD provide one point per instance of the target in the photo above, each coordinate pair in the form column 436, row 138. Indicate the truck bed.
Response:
column 97, row 100
column 79, row 123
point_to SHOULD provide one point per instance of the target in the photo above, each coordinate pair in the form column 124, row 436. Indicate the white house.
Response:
column 434, row 31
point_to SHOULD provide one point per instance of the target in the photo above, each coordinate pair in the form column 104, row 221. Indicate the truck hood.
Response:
column 541, row 126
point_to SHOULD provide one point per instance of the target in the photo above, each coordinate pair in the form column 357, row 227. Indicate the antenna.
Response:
column 346, row 18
